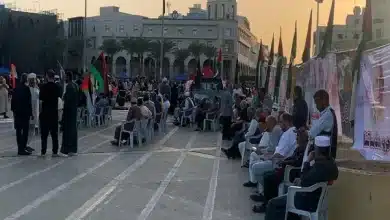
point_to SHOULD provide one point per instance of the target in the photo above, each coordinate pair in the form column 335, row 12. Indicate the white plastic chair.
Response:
column 211, row 117
column 322, row 208
column 247, row 147
column 130, row 131
column 187, row 115
column 283, row 186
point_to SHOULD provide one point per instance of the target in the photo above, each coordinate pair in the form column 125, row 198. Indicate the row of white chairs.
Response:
column 143, row 129
column 190, row 114
column 99, row 117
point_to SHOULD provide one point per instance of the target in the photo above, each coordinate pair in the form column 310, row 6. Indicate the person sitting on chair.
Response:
column 323, row 170
column 134, row 113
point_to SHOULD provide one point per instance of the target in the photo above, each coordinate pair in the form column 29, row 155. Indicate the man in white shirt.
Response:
column 284, row 149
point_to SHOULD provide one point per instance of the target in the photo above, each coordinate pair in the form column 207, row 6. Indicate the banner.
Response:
column 372, row 130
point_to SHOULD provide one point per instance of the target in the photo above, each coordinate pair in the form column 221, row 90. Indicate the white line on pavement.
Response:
column 52, row 193
column 81, row 138
column 103, row 193
column 12, row 163
column 31, row 175
column 107, row 190
column 210, row 201
column 164, row 184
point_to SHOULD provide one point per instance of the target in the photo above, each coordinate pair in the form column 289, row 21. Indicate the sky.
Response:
column 265, row 16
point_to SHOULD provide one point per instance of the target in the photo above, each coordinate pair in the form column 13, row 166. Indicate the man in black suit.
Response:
column 22, row 109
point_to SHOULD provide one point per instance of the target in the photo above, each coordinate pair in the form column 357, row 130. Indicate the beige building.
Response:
column 218, row 26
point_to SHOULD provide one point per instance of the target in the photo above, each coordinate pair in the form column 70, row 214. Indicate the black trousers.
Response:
column 276, row 209
column 49, row 126
column 226, row 121
column 22, row 126
column 271, row 185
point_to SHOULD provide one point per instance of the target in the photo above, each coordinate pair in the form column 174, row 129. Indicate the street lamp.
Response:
column 317, row 30
column 162, row 40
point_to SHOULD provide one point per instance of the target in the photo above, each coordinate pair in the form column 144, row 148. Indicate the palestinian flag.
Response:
column 85, row 87
column 98, row 70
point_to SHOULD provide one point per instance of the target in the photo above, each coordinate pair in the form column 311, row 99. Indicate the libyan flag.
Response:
column 99, row 72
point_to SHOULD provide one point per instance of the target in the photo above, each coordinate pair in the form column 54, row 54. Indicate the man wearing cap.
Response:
column 22, row 111
column 323, row 170
column 133, row 114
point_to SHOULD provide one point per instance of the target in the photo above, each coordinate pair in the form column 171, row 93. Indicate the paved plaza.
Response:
column 179, row 176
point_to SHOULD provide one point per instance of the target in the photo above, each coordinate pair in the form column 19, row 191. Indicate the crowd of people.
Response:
column 41, row 107
column 276, row 140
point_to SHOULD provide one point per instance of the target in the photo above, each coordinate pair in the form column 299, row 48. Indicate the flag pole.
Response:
column 84, row 56
column 317, row 29
column 162, row 41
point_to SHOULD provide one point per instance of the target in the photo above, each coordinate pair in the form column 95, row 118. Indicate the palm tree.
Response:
column 110, row 47
column 196, row 49
column 136, row 47
column 180, row 56
column 155, row 50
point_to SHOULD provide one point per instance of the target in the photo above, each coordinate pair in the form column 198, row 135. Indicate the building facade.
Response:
column 348, row 35
column 217, row 26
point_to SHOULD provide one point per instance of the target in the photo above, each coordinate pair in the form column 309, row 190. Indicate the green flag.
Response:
column 326, row 46
column 97, row 72
column 367, row 36
column 292, row 58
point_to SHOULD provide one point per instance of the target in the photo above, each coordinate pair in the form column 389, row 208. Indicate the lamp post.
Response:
column 162, row 41
column 84, row 54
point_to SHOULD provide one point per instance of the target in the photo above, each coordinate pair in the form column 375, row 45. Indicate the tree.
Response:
column 196, row 49
column 110, row 47
column 136, row 47
column 180, row 56
column 210, row 52
column 155, row 50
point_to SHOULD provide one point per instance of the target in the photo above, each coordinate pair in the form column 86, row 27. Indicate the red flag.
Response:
column 105, row 73
column 85, row 83
column 219, row 60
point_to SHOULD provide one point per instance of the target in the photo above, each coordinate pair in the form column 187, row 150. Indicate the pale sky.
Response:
column 265, row 16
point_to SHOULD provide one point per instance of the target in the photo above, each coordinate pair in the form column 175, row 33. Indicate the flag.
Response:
column 306, row 51
column 163, row 7
column 367, row 36
column 97, row 71
column 218, row 63
column 279, row 67
column 62, row 77
column 13, row 76
column 289, row 89
column 260, row 60
column 270, row 62
column 327, row 44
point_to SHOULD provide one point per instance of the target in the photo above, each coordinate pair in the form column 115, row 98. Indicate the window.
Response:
column 378, row 21
column 228, row 32
column 165, row 30
column 150, row 30
column 233, row 13
column 357, row 21
column 121, row 28
column 210, row 30
column 194, row 31
column 106, row 28
column 356, row 36
column 210, row 44
column 378, row 33
column 223, row 10
column 340, row 36
column 209, row 11
column 94, row 29
column 179, row 31
column 135, row 27
column 215, row 12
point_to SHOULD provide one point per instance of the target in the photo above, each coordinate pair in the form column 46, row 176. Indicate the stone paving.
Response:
column 179, row 176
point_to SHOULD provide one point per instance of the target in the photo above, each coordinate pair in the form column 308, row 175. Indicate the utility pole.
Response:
column 84, row 56
column 162, row 41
